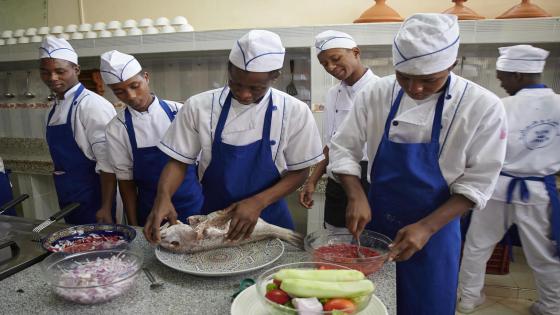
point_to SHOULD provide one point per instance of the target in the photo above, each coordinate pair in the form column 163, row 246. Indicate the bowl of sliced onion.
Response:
column 92, row 277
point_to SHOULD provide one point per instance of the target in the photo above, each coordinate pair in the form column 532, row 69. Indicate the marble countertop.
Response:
column 27, row 292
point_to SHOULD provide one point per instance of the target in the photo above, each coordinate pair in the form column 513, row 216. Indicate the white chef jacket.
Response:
column 472, row 140
column 294, row 136
column 149, row 128
column 2, row 166
column 533, row 145
column 338, row 103
column 89, row 118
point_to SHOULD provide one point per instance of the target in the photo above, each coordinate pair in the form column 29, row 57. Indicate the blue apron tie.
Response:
column 406, row 186
column 239, row 172
column 550, row 184
column 75, row 177
column 148, row 163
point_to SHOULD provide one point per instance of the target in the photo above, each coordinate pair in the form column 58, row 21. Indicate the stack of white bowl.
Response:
column 130, row 27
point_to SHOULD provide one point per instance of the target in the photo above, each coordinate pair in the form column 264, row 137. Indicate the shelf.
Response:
column 541, row 30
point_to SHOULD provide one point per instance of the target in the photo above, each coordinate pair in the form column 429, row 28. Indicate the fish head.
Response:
column 178, row 237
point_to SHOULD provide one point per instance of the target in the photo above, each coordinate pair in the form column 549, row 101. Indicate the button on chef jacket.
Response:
column 472, row 139
column 339, row 102
column 89, row 119
column 294, row 136
column 149, row 128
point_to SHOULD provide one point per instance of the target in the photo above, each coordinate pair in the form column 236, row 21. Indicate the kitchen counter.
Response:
column 27, row 293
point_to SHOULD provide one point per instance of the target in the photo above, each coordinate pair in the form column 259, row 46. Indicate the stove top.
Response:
column 17, row 248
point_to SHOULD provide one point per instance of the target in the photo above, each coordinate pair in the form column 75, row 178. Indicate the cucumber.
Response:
column 326, row 289
column 319, row 275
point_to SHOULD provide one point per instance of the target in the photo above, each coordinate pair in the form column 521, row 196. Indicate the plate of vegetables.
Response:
column 310, row 288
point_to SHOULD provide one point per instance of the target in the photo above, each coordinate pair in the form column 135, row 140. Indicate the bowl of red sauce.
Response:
column 340, row 248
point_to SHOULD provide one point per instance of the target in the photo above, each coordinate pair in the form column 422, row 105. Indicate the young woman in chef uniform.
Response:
column 436, row 144
column 339, row 54
column 255, row 143
column 132, row 138
column 76, row 137
column 526, row 193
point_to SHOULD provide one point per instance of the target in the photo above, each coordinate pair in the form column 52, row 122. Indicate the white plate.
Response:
column 247, row 302
column 226, row 261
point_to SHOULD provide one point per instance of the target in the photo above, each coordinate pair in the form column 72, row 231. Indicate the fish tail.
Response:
column 289, row 236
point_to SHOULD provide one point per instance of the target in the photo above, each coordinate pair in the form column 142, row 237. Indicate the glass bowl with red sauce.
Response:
column 340, row 248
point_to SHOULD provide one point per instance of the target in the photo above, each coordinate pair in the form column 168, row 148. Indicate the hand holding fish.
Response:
column 163, row 209
column 244, row 216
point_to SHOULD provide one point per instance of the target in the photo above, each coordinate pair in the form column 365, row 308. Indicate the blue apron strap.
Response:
column 76, row 95
column 130, row 130
column 171, row 114
column 393, row 112
column 222, row 119
column 267, row 121
column 550, row 183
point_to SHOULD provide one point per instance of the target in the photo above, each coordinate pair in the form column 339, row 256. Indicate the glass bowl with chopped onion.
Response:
column 92, row 277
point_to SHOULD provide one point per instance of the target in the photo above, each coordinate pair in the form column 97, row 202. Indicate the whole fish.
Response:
column 205, row 232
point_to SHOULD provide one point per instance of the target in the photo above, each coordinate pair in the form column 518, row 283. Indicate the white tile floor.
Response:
column 510, row 294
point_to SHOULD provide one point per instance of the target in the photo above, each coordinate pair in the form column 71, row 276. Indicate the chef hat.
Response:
column 521, row 58
column 426, row 43
column 258, row 51
column 117, row 67
column 58, row 48
column 333, row 39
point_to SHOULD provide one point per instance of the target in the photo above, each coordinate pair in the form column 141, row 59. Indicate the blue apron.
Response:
column 407, row 185
column 6, row 191
column 238, row 172
column 75, row 178
column 148, row 165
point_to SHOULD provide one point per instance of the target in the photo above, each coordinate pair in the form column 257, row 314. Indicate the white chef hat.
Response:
column 426, row 43
column 521, row 58
column 333, row 39
column 58, row 48
column 117, row 67
column 258, row 51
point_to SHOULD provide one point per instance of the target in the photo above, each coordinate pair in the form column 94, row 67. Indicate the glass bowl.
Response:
column 92, row 277
column 340, row 248
column 267, row 277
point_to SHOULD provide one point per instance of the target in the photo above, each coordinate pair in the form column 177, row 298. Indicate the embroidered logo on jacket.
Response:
column 539, row 134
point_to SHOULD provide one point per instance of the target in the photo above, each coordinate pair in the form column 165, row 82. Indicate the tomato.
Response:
column 278, row 296
column 340, row 304
column 277, row 282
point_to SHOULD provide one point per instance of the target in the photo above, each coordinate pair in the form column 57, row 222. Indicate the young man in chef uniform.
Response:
column 76, row 136
column 132, row 137
column 526, row 192
column 436, row 144
column 339, row 54
column 256, row 143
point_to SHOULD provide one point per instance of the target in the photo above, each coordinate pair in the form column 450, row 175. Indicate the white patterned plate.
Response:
column 225, row 261
column 248, row 302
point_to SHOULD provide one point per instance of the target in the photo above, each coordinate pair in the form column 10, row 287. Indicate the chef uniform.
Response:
column 245, row 149
column 526, row 192
column 76, row 139
column 132, row 137
column 338, row 103
column 5, row 189
column 422, row 152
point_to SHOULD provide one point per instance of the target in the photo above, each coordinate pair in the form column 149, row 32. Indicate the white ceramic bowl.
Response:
column 77, row 35
column 129, row 24
column 2, row 42
column 146, row 22
column 23, row 40
column 113, row 25
column 71, row 28
column 151, row 30
column 57, row 29
column 91, row 35
column 32, row 31
column 7, row 34
column 63, row 35
column 36, row 39
column 185, row 28
column 11, row 41
column 105, row 34
column 86, row 27
column 119, row 33
column 99, row 26
column 43, row 30
column 179, row 20
column 168, row 29
column 161, row 21
column 134, row 31
column 19, row 33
